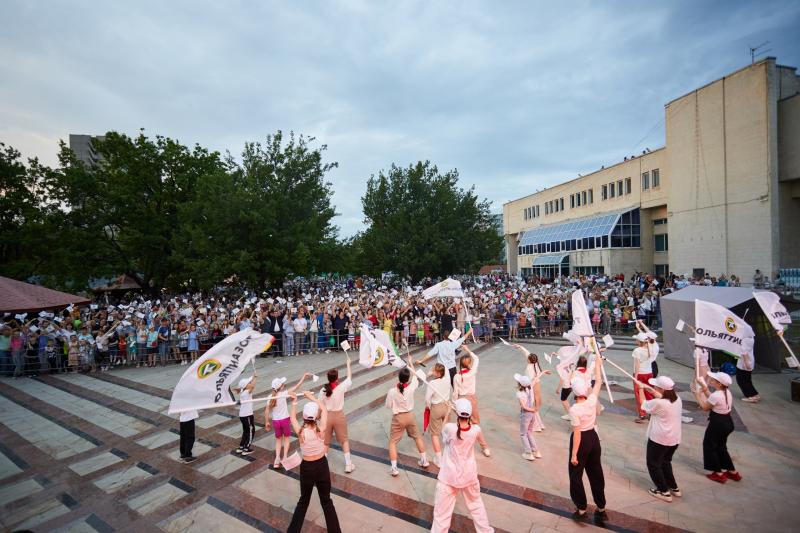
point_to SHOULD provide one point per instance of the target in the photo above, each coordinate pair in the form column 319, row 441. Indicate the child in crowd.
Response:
column 193, row 342
column 527, row 410
column 245, row 392
column 277, row 410
column 133, row 348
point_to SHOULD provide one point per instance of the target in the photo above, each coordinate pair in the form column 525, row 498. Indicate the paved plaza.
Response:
column 99, row 453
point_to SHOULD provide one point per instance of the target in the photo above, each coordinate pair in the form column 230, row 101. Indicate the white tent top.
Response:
column 724, row 296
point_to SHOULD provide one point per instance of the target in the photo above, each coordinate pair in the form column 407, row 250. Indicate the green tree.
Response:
column 420, row 223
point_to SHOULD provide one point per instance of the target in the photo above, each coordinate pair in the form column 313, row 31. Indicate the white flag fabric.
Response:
column 772, row 307
column 377, row 349
column 719, row 328
column 206, row 383
column 385, row 341
column 449, row 288
column 581, row 325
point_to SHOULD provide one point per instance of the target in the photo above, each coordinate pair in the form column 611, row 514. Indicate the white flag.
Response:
column 206, row 383
column 719, row 328
column 376, row 351
column 772, row 307
column 449, row 288
column 581, row 325
column 392, row 357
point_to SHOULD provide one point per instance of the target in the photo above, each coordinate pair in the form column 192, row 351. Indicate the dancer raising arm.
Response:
column 332, row 395
column 466, row 381
column 278, row 411
column 436, row 400
column 400, row 400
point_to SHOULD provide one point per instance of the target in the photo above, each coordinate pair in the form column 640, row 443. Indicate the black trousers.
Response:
column 248, row 430
column 659, row 464
column 745, row 380
column 187, row 438
column 315, row 473
column 655, row 369
column 589, row 460
column 452, row 375
column 715, row 443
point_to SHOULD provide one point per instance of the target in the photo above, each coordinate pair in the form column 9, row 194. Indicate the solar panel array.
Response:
column 596, row 226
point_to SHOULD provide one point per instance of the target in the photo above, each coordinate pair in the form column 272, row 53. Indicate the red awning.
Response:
column 20, row 297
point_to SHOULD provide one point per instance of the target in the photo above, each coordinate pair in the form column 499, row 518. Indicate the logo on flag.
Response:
column 208, row 368
column 730, row 325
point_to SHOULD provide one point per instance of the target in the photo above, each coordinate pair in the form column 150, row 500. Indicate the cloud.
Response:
column 516, row 95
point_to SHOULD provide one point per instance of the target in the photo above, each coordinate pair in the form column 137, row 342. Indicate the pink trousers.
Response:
column 445, row 502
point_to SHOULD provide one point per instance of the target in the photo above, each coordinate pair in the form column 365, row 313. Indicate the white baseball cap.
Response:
column 662, row 382
column 722, row 377
column 463, row 407
column 244, row 382
column 455, row 334
column 525, row 381
column 310, row 411
column 651, row 335
column 641, row 337
column 581, row 387
column 277, row 382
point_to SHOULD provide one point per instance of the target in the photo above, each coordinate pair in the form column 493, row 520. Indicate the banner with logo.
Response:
column 775, row 311
column 206, row 383
column 449, row 288
column 581, row 325
column 719, row 328
column 377, row 349
column 392, row 353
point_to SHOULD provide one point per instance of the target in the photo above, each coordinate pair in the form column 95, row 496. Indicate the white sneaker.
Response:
column 565, row 417
column 527, row 456
column 394, row 472
column 435, row 460
column 537, row 454
column 423, row 463
column 349, row 468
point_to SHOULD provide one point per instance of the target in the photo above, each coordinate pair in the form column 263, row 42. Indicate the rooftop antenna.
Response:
column 756, row 51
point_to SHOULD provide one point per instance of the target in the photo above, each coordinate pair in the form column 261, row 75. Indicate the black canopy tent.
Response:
column 769, row 350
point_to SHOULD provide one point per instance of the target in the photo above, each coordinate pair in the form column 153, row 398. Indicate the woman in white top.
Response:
column 720, row 425
column 466, row 381
column 278, row 412
column 245, row 392
column 332, row 395
column 436, row 395
column 459, row 472
column 400, row 400
column 534, row 372
column 527, row 410
column 642, row 371
column 652, row 345
column 744, row 378
column 314, row 469
column 663, row 436
column 584, row 447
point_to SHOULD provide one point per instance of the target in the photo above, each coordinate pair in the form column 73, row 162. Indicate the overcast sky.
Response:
column 516, row 95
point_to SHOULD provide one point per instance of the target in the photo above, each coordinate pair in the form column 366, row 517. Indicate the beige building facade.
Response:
column 722, row 197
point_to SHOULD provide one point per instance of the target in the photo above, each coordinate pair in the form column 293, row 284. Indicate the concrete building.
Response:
column 723, row 195
column 82, row 146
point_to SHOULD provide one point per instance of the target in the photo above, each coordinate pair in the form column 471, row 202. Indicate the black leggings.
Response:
column 187, row 438
column 589, row 460
column 659, row 464
column 248, row 431
column 315, row 473
column 715, row 443
column 745, row 380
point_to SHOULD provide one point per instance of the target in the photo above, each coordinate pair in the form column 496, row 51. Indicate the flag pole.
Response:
column 596, row 352
column 791, row 353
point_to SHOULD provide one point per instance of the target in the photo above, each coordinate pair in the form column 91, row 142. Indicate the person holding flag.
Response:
column 642, row 371
column 744, row 378
column 332, row 396
column 437, row 407
column 720, row 425
column 445, row 352
column 400, row 400
column 466, row 381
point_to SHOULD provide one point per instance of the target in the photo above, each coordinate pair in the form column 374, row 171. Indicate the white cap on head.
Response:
column 641, row 337
column 244, row 382
column 310, row 411
column 662, row 382
column 722, row 377
column 277, row 382
column 463, row 407
column 651, row 335
column 525, row 381
column 454, row 335
column 581, row 387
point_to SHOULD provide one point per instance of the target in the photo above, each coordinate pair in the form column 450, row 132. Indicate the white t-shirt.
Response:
column 721, row 402
column 746, row 362
column 437, row 389
column 644, row 360
column 300, row 325
column 281, row 410
column 526, row 397
column 402, row 402
column 665, row 421
column 245, row 409
column 583, row 414
column 701, row 355
column 335, row 402
column 458, row 467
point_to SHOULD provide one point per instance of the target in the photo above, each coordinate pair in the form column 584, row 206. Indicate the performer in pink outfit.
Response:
column 459, row 472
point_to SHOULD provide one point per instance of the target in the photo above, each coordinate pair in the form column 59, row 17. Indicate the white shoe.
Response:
column 349, row 468
column 565, row 417
column 527, row 456
column 423, row 463
column 435, row 460
column 394, row 472
column 487, row 452
column 537, row 454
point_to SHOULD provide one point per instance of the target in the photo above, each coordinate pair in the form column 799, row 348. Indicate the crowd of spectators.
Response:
column 309, row 316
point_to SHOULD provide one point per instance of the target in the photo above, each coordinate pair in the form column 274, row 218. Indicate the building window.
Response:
column 578, row 199
column 627, row 185
column 591, row 196
column 572, row 201
column 611, row 190
column 525, row 214
column 662, row 270
column 659, row 221
column 604, row 193
column 619, row 187
column 626, row 233
column 562, row 203
column 656, row 178
column 661, row 242
column 537, row 210
column 583, row 197
column 645, row 181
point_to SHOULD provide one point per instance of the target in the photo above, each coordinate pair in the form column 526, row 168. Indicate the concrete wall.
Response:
column 789, row 181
